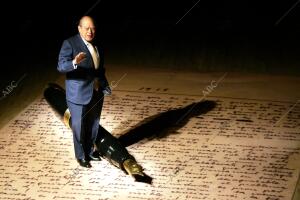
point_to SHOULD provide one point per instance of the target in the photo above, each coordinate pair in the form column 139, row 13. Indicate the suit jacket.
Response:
column 80, row 82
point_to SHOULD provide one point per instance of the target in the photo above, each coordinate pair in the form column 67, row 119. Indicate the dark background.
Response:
column 242, row 36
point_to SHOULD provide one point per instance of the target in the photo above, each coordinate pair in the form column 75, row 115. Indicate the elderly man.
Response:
column 81, row 60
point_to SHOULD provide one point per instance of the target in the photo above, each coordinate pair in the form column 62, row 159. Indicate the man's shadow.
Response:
column 162, row 124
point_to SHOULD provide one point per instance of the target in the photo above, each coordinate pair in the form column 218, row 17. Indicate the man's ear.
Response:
column 78, row 28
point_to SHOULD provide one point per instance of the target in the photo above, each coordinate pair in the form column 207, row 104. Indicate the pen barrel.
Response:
column 111, row 149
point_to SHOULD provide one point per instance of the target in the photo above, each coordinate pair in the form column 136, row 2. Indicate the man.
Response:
column 82, row 61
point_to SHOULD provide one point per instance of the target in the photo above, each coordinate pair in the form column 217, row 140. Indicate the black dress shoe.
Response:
column 84, row 163
column 95, row 156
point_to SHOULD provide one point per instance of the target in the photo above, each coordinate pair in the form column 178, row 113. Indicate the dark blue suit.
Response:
column 84, row 103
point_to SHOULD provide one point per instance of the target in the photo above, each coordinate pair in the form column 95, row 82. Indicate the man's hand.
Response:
column 79, row 58
column 107, row 91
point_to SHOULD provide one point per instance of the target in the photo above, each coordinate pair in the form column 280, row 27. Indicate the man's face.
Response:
column 87, row 29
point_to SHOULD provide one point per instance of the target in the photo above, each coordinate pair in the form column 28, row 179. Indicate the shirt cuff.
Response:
column 74, row 65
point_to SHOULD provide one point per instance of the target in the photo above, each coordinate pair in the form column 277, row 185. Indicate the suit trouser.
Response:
column 84, row 124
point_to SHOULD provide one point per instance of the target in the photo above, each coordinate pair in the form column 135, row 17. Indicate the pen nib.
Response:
column 132, row 168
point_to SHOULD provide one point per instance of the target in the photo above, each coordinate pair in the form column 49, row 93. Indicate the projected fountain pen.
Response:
column 108, row 146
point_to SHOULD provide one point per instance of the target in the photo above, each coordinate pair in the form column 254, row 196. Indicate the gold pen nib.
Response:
column 132, row 168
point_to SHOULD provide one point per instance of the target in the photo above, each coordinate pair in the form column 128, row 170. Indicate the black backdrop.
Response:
column 212, row 33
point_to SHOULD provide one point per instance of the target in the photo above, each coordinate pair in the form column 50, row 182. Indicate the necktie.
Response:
column 94, row 54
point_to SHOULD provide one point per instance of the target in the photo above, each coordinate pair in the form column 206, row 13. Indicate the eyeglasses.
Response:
column 88, row 28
